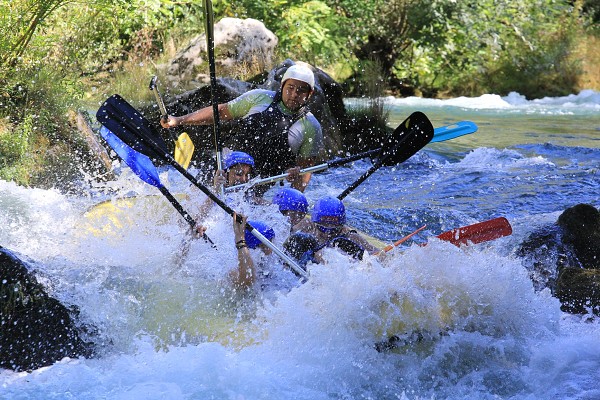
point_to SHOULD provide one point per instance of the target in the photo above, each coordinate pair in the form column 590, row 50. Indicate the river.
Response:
column 470, row 322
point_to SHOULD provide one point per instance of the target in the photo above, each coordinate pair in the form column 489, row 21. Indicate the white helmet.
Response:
column 300, row 73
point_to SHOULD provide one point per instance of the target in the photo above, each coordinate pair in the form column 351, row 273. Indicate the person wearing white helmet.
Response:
column 275, row 128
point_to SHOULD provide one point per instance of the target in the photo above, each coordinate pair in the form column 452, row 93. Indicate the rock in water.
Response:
column 36, row 330
column 581, row 229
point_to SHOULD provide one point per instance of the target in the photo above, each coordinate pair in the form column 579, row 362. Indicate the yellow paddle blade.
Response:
column 184, row 148
column 112, row 218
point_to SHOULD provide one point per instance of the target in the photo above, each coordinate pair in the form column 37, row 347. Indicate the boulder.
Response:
column 581, row 227
column 543, row 254
column 36, row 330
column 578, row 290
column 238, row 43
column 565, row 257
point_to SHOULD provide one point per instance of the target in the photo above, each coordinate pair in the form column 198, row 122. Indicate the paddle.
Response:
column 440, row 134
column 470, row 234
column 478, row 233
column 404, row 239
column 109, row 114
column 443, row 133
column 409, row 137
column 184, row 147
column 142, row 166
column 210, row 46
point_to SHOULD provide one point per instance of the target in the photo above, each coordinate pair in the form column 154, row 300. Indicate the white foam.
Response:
column 584, row 102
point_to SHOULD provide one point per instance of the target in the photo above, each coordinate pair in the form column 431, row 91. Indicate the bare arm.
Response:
column 300, row 182
column 244, row 275
column 205, row 207
column 203, row 116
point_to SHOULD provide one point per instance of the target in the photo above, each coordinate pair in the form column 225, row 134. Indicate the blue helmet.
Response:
column 329, row 210
column 251, row 241
column 237, row 157
column 291, row 199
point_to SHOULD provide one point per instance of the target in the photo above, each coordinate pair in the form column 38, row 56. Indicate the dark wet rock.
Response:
column 36, row 330
column 544, row 254
column 565, row 257
column 581, row 227
column 578, row 290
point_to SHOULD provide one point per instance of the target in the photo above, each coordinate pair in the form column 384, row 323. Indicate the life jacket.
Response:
column 264, row 136
column 345, row 244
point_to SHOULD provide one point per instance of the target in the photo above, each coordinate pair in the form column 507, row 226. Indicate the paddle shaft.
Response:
column 159, row 100
column 210, row 46
column 230, row 211
column 143, row 167
column 183, row 213
column 314, row 168
column 440, row 134
column 404, row 239
column 414, row 133
column 161, row 105
column 184, row 148
column 360, row 180
column 178, row 206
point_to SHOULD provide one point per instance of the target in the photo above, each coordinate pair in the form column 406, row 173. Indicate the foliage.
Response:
column 308, row 27
column 307, row 30
column 20, row 20
column 46, row 48
column 591, row 8
column 492, row 45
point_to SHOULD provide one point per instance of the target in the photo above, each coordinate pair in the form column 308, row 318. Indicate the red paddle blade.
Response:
column 477, row 233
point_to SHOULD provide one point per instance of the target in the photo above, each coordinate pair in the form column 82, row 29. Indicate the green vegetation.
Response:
column 59, row 56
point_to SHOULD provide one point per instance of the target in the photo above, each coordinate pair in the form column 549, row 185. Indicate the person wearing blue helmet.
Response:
column 237, row 168
column 275, row 127
column 246, row 274
column 292, row 203
column 303, row 247
column 328, row 225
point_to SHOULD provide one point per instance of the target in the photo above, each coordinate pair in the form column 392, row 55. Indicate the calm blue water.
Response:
column 172, row 332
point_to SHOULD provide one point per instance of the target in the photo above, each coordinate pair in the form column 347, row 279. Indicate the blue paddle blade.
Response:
column 449, row 132
column 141, row 165
column 130, row 126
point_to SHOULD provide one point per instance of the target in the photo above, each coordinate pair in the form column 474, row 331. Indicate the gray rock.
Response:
column 238, row 43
